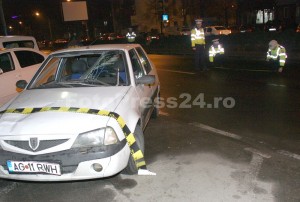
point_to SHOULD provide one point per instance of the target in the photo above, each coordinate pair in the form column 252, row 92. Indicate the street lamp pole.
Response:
column 49, row 25
column 50, row 28
column 3, row 19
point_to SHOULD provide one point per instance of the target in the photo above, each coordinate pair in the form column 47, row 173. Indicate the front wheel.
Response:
column 131, row 168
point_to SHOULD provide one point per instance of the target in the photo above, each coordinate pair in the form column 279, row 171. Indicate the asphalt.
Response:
column 249, row 152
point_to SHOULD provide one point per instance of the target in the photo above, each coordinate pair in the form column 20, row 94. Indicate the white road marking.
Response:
column 255, row 151
column 220, row 132
column 250, row 180
column 289, row 154
column 8, row 188
column 276, row 85
column 175, row 71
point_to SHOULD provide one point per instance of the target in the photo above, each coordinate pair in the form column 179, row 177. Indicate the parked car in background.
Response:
column 45, row 44
column 185, row 31
column 246, row 28
column 16, row 64
column 108, row 36
column 234, row 29
column 273, row 26
column 85, row 112
column 153, row 35
column 121, row 36
column 18, row 42
column 216, row 30
column 112, row 36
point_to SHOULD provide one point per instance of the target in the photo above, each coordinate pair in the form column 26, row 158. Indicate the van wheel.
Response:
column 131, row 168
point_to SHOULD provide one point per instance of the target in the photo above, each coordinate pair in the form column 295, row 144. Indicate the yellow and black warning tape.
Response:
column 136, row 152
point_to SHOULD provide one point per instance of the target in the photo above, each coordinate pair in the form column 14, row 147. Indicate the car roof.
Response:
column 20, row 49
column 14, row 37
column 219, row 26
column 99, row 47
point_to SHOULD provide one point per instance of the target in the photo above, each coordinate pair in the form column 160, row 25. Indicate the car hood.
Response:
column 59, row 122
column 101, row 98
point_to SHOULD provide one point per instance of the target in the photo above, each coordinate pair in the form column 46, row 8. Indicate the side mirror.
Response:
column 146, row 80
column 21, row 84
column 1, row 71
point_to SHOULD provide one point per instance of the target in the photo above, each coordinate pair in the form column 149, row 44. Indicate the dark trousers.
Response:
column 218, row 60
column 274, row 65
column 200, row 57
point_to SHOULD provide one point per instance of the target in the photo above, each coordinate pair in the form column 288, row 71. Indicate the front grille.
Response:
column 44, row 144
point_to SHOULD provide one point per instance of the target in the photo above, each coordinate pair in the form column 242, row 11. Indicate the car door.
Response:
column 144, row 92
column 16, row 65
column 149, row 70
column 29, row 62
column 8, row 76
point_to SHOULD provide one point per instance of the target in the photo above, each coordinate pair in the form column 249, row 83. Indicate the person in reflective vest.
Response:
column 74, row 42
column 130, row 36
column 216, row 53
column 276, row 56
column 198, row 45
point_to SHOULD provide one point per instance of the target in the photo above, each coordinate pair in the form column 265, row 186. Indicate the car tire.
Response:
column 155, row 112
column 131, row 168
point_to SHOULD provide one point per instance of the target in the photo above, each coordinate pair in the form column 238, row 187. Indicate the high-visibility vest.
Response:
column 278, row 53
column 197, row 36
column 130, row 37
column 214, row 51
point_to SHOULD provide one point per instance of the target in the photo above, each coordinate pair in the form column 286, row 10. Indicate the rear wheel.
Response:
column 131, row 168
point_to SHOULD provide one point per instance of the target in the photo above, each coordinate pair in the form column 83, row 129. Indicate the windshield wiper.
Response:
column 53, row 85
column 94, row 81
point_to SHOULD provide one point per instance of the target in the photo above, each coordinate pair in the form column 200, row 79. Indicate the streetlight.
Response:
column 49, row 24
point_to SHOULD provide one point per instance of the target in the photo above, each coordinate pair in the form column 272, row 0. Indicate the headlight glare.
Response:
column 110, row 136
column 89, row 139
column 98, row 137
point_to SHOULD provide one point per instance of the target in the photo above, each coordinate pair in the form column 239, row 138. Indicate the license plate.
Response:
column 33, row 167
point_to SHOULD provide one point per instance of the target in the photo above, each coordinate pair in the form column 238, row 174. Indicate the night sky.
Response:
column 23, row 7
column 98, row 10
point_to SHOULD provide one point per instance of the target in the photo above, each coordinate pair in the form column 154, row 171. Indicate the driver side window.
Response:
column 137, row 67
column 6, row 64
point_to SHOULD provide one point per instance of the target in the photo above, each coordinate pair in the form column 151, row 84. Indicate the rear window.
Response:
column 19, row 44
column 28, row 58
column 6, row 62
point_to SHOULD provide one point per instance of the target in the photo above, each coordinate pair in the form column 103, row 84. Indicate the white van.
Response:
column 18, row 42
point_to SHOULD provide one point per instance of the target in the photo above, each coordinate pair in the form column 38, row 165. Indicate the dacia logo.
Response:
column 34, row 143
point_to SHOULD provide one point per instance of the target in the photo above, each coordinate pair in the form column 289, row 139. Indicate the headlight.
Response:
column 98, row 137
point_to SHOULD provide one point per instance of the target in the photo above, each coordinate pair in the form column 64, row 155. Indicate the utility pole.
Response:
column 162, row 12
column 3, row 19
column 113, row 16
column 225, row 6
column 161, row 21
